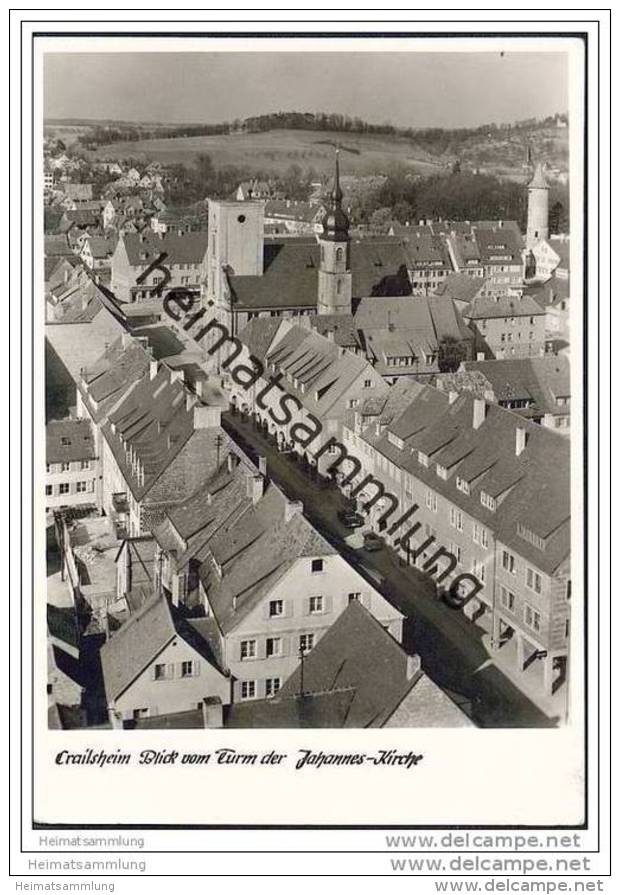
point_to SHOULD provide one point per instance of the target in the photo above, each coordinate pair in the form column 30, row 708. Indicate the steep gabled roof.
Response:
column 106, row 381
column 539, row 379
column 254, row 546
column 135, row 646
column 186, row 248
column 491, row 306
column 533, row 518
column 69, row 440
column 290, row 273
column 356, row 676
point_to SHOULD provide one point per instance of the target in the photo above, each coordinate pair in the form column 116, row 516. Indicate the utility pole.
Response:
column 301, row 671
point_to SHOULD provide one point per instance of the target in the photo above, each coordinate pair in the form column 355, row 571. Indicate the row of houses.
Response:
column 492, row 489
column 481, row 474
column 203, row 585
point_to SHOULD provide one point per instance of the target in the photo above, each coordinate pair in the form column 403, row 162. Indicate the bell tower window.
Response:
column 339, row 254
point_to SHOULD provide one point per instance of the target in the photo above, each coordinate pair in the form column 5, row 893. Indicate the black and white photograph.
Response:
column 312, row 402
column 308, row 390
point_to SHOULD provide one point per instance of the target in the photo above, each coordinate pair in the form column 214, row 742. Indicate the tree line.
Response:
column 185, row 185
column 435, row 139
column 457, row 196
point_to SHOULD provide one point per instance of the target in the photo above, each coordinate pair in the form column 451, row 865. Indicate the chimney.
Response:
column 255, row 487
column 212, row 713
column 232, row 461
column 330, row 335
column 262, row 465
column 292, row 508
column 413, row 666
column 177, row 376
column 153, row 367
column 452, row 396
column 206, row 416
column 521, row 440
column 176, row 586
column 480, row 411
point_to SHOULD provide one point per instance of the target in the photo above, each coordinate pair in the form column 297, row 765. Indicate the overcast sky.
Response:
column 406, row 89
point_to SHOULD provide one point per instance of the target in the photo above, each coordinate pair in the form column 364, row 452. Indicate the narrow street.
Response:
column 450, row 646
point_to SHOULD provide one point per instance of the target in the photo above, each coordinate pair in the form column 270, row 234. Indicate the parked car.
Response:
column 351, row 519
column 373, row 542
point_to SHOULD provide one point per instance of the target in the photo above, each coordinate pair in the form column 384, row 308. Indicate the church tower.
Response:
column 335, row 244
column 537, row 209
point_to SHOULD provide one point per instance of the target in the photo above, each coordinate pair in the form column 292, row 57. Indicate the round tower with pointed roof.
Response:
column 537, row 208
column 335, row 244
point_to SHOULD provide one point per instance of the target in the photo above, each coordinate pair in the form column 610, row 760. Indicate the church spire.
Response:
column 337, row 192
column 335, row 222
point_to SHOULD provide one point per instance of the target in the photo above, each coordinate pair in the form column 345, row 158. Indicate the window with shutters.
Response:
column 533, row 580
column 272, row 685
column 457, row 552
column 189, row 668
column 508, row 562
column 306, row 642
column 507, row 598
column 317, row 605
column 248, row 689
column 355, row 597
column 273, row 647
column 164, row 672
column 478, row 569
column 248, row 649
column 532, row 617
column 276, row 608
column 456, row 519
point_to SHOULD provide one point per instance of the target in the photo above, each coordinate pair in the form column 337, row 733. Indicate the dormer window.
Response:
column 441, row 471
column 487, row 501
column 462, row 485
column 528, row 535
column 396, row 441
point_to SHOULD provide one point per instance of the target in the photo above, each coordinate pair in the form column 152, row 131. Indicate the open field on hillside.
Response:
column 278, row 149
